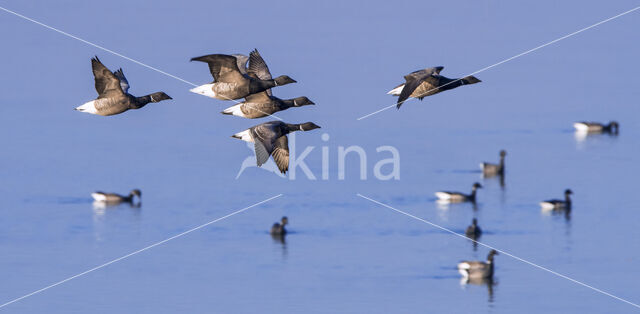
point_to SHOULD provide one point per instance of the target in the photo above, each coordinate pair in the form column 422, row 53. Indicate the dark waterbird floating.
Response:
column 270, row 139
column 594, row 127
column 473, row 231
column 558, row 204
column 427, row 82
column 478, row 269
column 113, row 93
column 229, row 81
column 262, row 104
column 457, row 197
column 489, row 169
column 278, row 228
column 113, row 198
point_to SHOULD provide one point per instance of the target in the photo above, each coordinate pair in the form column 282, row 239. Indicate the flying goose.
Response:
column 278, row 228
column 229, row 82
column 113, row 93
column 558, row 204
column 270, row 139
column 427, row 82
column 478, row 269
column 457, row 197
column 115, row 198
column 473, row 231
column 489, row 169
column 594, row 127
column 262, row 104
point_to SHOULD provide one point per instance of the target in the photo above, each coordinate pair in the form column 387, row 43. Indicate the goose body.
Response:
column 556, row 204
column 270, row 139
column 457, row 197
column 278, row 228
column 229, row 81
column 114, row 198
column 427, row 82
column 489, row 169
column 473, row 231
column 478, row 269
column 595, row 127
column 113, row 93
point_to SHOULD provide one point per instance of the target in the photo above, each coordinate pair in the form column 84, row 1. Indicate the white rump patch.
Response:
column 547, row 206
column 443, row 196
column 581, row 127
column 234, row 110
column 98, row 197
column 205, row 90
column 244, row 135
column 396, row 91
column 88, row 107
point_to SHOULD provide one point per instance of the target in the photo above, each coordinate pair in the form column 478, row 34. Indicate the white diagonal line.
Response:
column 138, row 251
column 516, row 56
column 501, row 251
column 113, row 52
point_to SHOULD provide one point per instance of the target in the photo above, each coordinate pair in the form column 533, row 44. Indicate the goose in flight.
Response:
column 427, row 82
column 263, row 104
column 113, row 93
column 270, row 139
column 229, row 81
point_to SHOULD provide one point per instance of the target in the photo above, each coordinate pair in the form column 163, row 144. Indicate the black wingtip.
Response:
column 227, row 113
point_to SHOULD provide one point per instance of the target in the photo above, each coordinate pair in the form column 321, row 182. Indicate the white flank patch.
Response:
column 443, row 196
column 581, row 127
column 99, row 197
column 463, row 269
column 234, row 110
column 88, row 108
column 204, row 90
column 244, row 135
column 547, row 206
column 396, row 91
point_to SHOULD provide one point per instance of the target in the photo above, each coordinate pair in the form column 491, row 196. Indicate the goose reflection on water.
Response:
column 489, row 282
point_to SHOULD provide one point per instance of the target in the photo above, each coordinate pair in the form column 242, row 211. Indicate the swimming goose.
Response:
column 270, row 139
column 457, row 197
column 478, row 269
column 116, row 198
column 558, row 204
column 278, row 228
column 262, row 104
column 473, row 231
column 489, row 169
column 427, row 82
column 113, row 93
column 594, row 127
column 229, row 82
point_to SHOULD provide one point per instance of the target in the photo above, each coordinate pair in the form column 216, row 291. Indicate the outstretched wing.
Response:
column 107, row 84
column 424, row 72
column 412, row 82
column 259, row 68
column 264, row 137
column 281, row 153
column 124, row 84
column 222, row 67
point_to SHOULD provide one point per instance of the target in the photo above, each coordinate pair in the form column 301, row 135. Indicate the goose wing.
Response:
column 261, row 98
column 264, row 136
column 427, row 71
column 106, row 83
column 258, row 68
column 281, row 153
column 223, row 68
column 124, row 84
column 414, row 81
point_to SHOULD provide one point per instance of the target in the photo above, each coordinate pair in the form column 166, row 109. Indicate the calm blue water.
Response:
column 345, row 254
